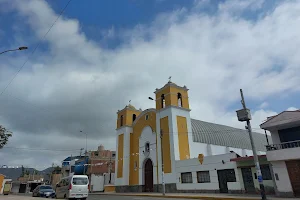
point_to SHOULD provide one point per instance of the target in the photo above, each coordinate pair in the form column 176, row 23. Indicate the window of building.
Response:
column 266, row 173
column 147, row 147
column 186, row 177
column 133, row 117
column 179, row 100
column 96, row 153
column 163, row 101
column 147, row 117
column 203, row 177
column 121, row 120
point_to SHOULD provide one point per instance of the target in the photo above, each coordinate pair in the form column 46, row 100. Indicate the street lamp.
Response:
column 18, row 49
column 85, row 150
column 162, row 160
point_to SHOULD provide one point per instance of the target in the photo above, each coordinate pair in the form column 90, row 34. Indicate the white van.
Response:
column 73, row 187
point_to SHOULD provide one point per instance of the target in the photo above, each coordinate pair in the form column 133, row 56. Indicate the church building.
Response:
column 166, row 138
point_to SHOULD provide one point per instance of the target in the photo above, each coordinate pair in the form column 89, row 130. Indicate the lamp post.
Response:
column 85, row 151
column 18, row 49
column 162, row 160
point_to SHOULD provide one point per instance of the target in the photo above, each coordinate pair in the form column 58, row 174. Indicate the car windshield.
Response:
column 80, row 181
column 46, row 187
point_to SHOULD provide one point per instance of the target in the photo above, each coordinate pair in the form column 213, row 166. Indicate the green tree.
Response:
column 4, row 135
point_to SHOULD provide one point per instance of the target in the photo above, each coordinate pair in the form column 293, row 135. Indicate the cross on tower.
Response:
column 170, row 79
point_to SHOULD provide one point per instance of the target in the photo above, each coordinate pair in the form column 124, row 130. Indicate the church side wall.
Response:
column 210, row 149
column 211, row 164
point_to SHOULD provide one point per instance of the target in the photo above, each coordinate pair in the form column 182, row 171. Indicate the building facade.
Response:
column 101, row 161
column 284, row 152
column 167, row 136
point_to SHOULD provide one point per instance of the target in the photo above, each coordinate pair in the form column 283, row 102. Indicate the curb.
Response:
column 178, row 196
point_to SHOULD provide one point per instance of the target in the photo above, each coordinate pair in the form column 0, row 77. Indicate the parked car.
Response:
column 73, row 187
column 44, row 191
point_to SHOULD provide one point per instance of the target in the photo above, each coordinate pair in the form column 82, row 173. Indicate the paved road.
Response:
column 91, row 197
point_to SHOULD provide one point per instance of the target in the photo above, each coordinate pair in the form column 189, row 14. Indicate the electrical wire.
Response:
column 22, row 66
column 32, row 149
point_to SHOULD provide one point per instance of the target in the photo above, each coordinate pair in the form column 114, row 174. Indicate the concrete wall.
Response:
column 275, row 137
column 168, row 177
column 126, row 158
column 284, row 186
column 267, row 183
column 211, row 164
column 3, row 183
column 97, row 183
column 210, row 149
column 284, row 154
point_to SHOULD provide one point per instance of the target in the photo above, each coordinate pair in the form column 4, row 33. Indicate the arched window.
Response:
column 121, row 120
column 163, row 101
column 133, row 117
column 179, row 99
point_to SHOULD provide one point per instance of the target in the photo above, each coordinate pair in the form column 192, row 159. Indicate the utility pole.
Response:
column 162, row 164
column 162, row 150
column 109, row 169
column 51, row 174
column 85, row 152
column 244, row 115
column 81, row 152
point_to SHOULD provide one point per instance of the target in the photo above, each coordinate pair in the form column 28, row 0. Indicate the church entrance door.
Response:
column 148, row 169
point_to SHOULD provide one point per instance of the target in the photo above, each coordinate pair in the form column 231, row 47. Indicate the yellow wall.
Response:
column 134, row 144
column 1, row 181
column 127, row 117
column 170, row 93
column 120, row 155
column 164, row 124
column 183, row 138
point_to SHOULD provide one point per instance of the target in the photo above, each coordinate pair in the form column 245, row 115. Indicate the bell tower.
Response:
column 174, row 122
column 125, row 119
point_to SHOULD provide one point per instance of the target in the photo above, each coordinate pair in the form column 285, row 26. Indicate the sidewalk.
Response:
column 197, row 196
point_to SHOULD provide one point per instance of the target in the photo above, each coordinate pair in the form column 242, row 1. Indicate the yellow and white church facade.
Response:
column 166, row 136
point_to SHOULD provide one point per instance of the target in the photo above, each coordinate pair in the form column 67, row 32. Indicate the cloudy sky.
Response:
column 101, row 54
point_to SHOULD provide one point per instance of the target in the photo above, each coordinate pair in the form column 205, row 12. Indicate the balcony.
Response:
column 283, row 151
column 285, row 145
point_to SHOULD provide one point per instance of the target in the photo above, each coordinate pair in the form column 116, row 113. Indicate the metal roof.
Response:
column 217, row 134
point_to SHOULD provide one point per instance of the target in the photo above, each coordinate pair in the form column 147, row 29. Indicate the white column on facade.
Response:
column 209, row 150
column 126, row 154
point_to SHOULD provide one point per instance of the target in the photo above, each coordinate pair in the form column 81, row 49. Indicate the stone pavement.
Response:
column 197, row 196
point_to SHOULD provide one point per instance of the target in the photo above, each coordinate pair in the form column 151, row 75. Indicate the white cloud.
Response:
column 77, row 85
column 233, row 6
column 292, row 109
column 264, row 105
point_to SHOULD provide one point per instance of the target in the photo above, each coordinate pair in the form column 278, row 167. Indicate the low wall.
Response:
column 170, row 188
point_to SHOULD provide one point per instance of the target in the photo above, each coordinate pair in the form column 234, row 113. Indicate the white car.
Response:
column 73, row 187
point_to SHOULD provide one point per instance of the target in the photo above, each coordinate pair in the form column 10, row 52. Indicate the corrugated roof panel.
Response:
column 216, row 134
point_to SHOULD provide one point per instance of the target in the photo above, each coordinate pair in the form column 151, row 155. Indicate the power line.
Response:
column 35, row 48
column 33, row 149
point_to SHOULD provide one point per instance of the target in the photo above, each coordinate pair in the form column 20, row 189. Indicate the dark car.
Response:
column 44, row 191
